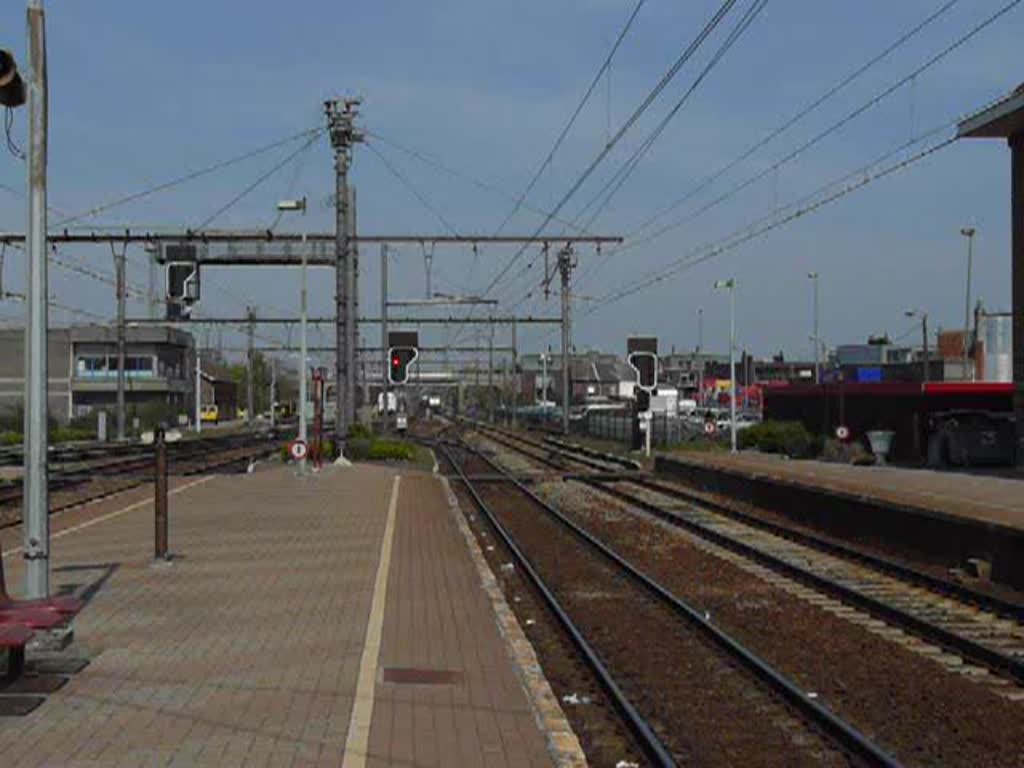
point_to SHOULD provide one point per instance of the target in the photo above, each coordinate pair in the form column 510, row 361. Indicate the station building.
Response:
column 82, row 363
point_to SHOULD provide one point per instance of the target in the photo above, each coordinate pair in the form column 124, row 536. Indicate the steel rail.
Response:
column 833, row 726
column 642, row 731
column 962, row 646
column 963, row 593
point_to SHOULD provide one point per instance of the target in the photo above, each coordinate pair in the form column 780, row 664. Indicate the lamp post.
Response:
column 300, row 205
column 813, row 277
column 700, row 356
column 968, row 232
column 730, row 285
column 924, row 337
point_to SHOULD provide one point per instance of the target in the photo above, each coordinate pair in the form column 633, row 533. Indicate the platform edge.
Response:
column 563, row 744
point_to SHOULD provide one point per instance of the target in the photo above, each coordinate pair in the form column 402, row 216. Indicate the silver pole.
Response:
column 385, row 352
column 817, row 346
column 700, row 356
column 303, row 367
column 968, row 232
column 119, row 268
column 732, row 365
column 199, row 383
column 515, row 377
column 273, row 391
column 35, row 495
column 565, row 266
column 250, row 394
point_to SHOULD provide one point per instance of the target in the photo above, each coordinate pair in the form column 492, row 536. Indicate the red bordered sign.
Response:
column 843, row 432
column 710, row 428
column 298, row 450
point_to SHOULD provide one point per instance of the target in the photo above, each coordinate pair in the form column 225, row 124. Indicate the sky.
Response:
column 142, row 93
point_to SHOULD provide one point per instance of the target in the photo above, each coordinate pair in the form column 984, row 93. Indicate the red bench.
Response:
column 20, row 619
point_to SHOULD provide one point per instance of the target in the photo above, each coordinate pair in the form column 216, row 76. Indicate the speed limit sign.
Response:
column 843, row 432
column 298, row 450
column 709, row 427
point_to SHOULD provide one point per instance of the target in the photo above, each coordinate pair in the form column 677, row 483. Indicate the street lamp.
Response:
column 968, row 232
column 286, row 206
column 924, row 336
column 730, row 285
column 813, row 277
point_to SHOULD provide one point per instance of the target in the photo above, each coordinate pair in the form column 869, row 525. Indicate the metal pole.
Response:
column 817, row 346
column 385, row 353
column 924, row 333
column 732, row 366
column 35, row 494
column 565, row 267
column 273, row 392
column 515, row 376
column 341, row 290
column 160, row 498
column 700, row 355
column 199, row 383
column 352, row 316
column 303, row 365
column 968, row 232
column 490, row 376
column 119, row 269
column 249, row 391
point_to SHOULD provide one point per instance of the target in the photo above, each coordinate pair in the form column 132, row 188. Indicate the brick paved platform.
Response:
column 276, row 629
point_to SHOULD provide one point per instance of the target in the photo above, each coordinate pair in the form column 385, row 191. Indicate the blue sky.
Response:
column 144, row 92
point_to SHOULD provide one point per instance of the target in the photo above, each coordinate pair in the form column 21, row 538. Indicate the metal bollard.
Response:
column 160, row 502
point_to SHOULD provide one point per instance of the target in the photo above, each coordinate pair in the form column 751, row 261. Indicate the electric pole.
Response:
column 490, row 375
column 119, row 281
column 515, row 376
column 968, row 232
column 565, row 269
column 341, row 116
column 250, row 357
column 385, row 353
column 36, row 500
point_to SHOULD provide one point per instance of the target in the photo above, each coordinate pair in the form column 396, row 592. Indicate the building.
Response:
column 82, row 362
column 593, row 376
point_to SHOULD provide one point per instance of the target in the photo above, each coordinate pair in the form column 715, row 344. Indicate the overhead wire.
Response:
column 637, row 113
column 800, row 114
column 404, row 181
column 605, row 66
column 633, row 242
column 615, row 183
column 179, row 180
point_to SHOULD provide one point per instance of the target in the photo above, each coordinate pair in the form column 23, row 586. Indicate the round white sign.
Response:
column 298, row 450
column 843, row 432
column 709, row 427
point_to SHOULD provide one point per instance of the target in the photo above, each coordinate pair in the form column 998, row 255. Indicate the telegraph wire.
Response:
column 572, row 120
column 802, row 113
column 312, row 132
column 653, row 94
column 404, row 181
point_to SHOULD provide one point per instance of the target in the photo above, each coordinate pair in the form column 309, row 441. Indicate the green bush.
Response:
column 391, row 450
column 380, row 449
column 787, row 437
column 10, row 438
column 71, row 434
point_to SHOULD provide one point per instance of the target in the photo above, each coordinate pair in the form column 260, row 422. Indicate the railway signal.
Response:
column 182, row 280
column 403, row 349
column 642, row 355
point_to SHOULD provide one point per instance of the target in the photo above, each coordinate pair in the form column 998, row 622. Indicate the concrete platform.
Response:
column 335, row 620
column 943, row 517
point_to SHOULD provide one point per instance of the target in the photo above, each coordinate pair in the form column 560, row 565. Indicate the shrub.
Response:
column 359, row 431
column 391, row 450
column 10, row 438
column 787, row 437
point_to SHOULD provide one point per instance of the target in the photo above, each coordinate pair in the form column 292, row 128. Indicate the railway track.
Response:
column 973, row 632
column 96, row 479
column 590, row 588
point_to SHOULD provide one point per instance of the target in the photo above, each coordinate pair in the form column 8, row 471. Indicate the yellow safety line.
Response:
column 116, row 513
column 358, row 740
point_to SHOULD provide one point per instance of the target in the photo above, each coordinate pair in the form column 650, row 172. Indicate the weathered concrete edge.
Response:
column 563, row 743
column 843, row 494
